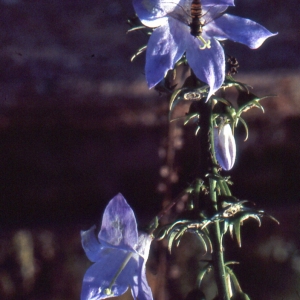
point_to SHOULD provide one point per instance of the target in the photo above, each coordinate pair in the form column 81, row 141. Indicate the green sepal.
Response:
column 202, row 274
column 136, row 24
column 136, row 28
column 174, row 100
column 140, row 51
column 190, row 117
column 231, row 82
column 233, row 278
column 172, row 236
column 236, row 222
column 245, row 126
column 248, row 100
column 222, row 100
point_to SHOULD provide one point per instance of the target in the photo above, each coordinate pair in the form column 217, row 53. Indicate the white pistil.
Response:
column 206, row 43
column 108, row 290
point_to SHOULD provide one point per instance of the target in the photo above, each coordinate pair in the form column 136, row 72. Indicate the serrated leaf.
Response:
column 174, row 101
column 231, row 82
column 140, row 51
column 202, row 240
column 222, row 100
column 201, row 275
column 245, row 126
column 170, row 241
column 237, row 231
column 136, row 28
column 233, row 279
column 225, row 226
column 181, row 233
column 189, row 117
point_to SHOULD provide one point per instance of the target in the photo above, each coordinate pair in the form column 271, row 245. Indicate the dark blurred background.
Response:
column 78, row 125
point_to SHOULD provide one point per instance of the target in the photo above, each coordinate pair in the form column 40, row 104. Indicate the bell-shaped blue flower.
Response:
column 119, row 254
column 172, row 38
column 225, row 147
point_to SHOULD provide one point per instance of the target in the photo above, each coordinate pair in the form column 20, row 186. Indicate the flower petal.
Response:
column 150, row 12
column 240, row 30
column 119, row 226
column 217, row 2
column 99, row 277
column 225, row 147
column 141, row 289
column 211, row 13
column 144, row 243
column 207, row 64
column 165, row 48
column 90, row 244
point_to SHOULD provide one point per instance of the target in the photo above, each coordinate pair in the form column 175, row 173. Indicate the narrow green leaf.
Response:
column 246, row 128
column 237, row 231
column 170, row 241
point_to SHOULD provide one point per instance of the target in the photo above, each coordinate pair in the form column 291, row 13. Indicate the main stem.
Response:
column 207, row 165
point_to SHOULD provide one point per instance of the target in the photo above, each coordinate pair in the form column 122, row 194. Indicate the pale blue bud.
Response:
column 225, row 147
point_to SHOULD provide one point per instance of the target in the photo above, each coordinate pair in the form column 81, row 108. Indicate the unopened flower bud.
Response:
column 225, row 147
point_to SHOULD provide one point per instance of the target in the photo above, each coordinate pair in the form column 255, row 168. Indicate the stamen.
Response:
column 108, row 290
column 206, row 43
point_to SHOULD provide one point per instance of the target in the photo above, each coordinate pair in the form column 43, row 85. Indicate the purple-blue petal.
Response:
column 141, row 289
column 144, row 243
column 100, row 275
column 207, row 64
column 119, row 226
column 211, row 13
column 150, row 12
column 165, row 47
column 240, row 30
column 90, row 244
column 225, row 147
column 217, row 2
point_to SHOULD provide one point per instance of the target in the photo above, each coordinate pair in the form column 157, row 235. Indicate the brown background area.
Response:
column 78, row 125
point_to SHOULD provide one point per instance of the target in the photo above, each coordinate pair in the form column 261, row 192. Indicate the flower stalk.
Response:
column 208, row 165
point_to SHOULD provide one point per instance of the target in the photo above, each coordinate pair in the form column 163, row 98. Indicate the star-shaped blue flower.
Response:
column 172, row 38
column 119, row 255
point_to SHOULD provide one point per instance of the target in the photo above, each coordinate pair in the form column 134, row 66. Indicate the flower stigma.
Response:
column 108, row 290
column 206, row 43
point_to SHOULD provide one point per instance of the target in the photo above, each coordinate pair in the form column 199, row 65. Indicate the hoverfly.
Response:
column 194, row 15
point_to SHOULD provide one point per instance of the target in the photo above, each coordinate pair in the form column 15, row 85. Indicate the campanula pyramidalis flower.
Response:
column 172, row 38
column 225, row 147
column 119, row 254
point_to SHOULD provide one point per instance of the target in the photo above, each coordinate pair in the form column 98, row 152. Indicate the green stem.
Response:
column 215, row 232
column 208, row 165
column 217, row 255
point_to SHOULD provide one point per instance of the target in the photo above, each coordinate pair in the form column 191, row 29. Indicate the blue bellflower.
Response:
column 119, row 255
column 172, row 38
column 225, row 147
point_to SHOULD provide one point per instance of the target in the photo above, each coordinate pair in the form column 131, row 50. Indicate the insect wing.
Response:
column 212, row 13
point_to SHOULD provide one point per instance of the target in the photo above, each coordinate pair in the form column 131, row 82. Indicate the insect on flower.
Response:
column 195, row 29
column 195, row 19
column 197, row 24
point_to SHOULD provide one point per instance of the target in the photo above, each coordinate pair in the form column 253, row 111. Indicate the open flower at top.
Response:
column 172, row 38
column 119, row 255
